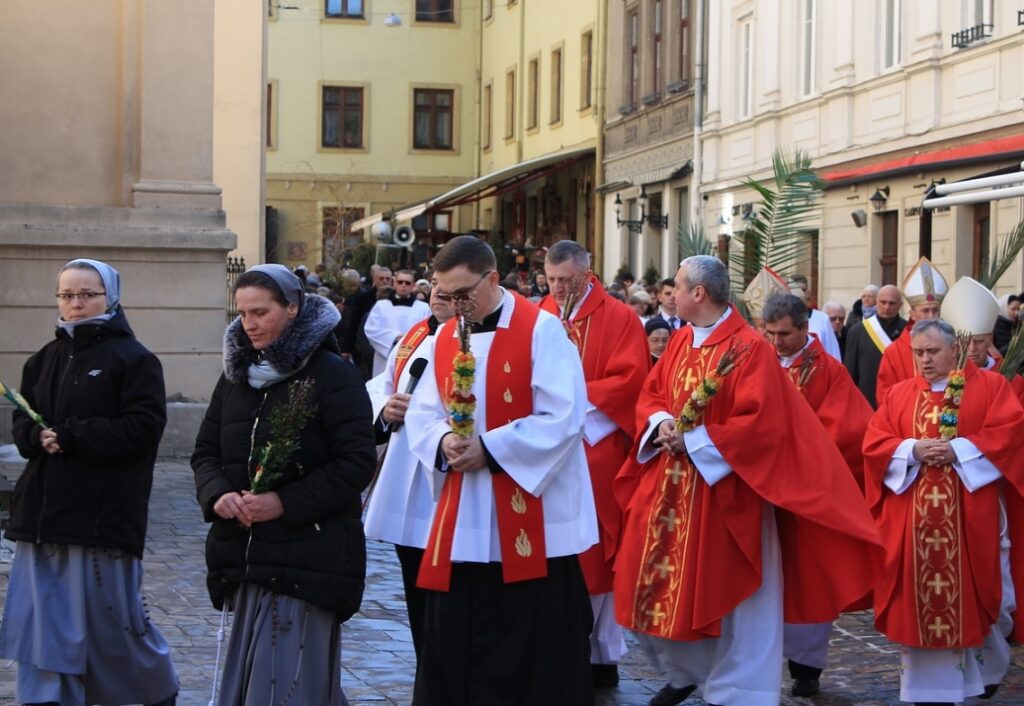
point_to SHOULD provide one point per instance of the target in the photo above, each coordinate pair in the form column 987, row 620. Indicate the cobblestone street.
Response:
column 377, row 654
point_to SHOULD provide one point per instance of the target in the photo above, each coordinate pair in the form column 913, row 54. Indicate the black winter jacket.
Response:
column 316, row 551
column 103, row 392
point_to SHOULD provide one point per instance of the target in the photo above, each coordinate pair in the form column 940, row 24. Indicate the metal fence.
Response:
column 235, row 267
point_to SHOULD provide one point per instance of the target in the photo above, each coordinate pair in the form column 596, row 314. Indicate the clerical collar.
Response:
column 403, row 301
column 490, row 322
column 990, row 364
column 787, row 360
column 940, row 385
column 702, row 333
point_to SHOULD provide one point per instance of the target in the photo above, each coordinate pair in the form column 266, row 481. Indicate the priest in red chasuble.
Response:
column 497, row 427
column 613, row 348
column 924, row 289
column 938, row 454
column 720, row 504
column 828, row 388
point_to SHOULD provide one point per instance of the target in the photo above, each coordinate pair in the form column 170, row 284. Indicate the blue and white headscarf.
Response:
column 111, row 285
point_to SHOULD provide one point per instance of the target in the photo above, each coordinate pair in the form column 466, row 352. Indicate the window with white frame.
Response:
column 977, row 12
column 808, row 45
column 745, row 68
column 890, row 33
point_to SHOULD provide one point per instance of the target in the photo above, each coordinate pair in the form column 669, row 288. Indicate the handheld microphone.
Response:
column 416, row 369
column 415, row 373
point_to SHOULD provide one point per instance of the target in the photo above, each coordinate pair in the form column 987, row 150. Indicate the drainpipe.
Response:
column 600, row 51
column 479, row 113
column 696, row 200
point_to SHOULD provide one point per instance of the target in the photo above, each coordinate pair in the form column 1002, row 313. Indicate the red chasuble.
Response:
column 941, row 585
column 509, row 397
column 615, row 356
column 897, row 364
column 840, row 406
column 691, row 553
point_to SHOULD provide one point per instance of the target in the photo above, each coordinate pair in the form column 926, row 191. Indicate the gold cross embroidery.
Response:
column 657, row 614
column 675, row 472
column 690, row 380
column 664, row 568
column 935, row 496
column 936, row 540
column 937, row 584
column 671, row 520
column 934, row 415
column 938, row 627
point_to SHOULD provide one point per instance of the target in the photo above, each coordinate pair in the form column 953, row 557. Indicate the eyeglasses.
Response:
column 84, row 296
column 463, row 295
column 407, row 282
column 835, row 318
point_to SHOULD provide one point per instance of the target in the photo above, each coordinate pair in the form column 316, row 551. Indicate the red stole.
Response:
column 509, row 397
column 408, row 345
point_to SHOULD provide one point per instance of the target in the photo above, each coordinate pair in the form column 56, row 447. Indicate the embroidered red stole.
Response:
column 668, row 556
column 408, row 345
column 509, row 397
column 936, row 527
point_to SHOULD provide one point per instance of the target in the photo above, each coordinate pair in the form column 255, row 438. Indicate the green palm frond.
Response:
column 694, row 241
column 776, row 236
column 996, row 266
column 1014, row 358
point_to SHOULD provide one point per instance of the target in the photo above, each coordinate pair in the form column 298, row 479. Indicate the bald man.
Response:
column 867, row 340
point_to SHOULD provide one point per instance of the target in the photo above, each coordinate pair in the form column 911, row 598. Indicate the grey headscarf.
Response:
column 111, row 279
column 286, row 280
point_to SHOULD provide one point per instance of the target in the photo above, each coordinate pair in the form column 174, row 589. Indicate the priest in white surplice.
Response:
column 390, row 318
column 507, row 613
column 401, row 505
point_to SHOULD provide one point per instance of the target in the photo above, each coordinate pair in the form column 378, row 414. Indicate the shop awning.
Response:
column 493, row 184
column 651, row 176
column 978, row 152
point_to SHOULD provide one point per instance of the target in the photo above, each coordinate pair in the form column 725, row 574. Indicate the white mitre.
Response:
column 970, row 307
column 924, row 284
column 765, row 283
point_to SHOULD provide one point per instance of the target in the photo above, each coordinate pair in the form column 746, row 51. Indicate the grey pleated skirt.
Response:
column 76, row 623
column 282, row 651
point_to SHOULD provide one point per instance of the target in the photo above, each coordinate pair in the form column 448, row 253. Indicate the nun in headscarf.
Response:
column 1007, row 322
column 74, row 618
column 286, row 551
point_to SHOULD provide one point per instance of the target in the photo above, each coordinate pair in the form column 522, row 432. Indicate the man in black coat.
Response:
column 866, row 341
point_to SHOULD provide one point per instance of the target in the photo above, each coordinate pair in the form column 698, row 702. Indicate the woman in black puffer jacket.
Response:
column 289, row 562
column 74, row 618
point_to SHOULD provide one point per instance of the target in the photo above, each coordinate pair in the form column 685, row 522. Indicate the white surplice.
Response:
column 401, row 507
column 741, row 666
column 542, row 452
column 953, row 675
column 386, row 324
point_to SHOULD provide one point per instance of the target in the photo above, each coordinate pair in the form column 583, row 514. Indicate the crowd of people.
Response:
column 555, row 462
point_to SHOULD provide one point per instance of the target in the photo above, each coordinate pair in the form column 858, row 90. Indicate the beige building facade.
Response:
column 887, row 97
column 110, row 152
column 648, row 150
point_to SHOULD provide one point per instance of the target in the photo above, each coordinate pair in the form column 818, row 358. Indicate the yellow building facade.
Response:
column 444, row 116
column 372, row 104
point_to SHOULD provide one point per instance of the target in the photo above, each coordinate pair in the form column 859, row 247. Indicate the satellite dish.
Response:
column 405, row 236
column 381, row 231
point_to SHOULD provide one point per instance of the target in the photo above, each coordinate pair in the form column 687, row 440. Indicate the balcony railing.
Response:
column 966, row 37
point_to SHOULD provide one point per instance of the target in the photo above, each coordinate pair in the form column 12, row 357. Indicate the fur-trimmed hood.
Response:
column 315, row 322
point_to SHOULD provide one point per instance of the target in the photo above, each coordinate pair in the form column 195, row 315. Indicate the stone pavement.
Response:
column 377, row 654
